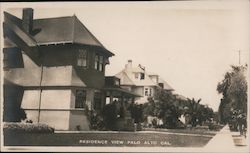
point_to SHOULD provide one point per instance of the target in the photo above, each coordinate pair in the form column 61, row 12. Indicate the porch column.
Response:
column 111, row 97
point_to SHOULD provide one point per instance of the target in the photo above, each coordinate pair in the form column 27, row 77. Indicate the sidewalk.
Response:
column 223, row 141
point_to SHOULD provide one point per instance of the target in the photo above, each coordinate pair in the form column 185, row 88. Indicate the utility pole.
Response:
column 239, row 57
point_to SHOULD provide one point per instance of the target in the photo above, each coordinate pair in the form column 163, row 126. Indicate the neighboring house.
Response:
column 137, row 80
column 54, row 68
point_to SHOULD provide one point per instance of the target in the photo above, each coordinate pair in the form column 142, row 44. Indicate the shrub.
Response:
column 27, row 128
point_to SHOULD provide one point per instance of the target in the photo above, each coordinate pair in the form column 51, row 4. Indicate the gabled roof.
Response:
column 127, row 77
column 166, row 86
column 124, row 79
column 58, row 30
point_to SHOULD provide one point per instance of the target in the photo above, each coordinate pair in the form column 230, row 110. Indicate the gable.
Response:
column 124, row 79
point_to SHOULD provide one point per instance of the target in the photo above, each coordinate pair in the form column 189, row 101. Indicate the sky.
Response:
column 190, row 44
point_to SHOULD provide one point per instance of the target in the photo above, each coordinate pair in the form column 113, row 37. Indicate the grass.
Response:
column 185, row 131
column 133, row 139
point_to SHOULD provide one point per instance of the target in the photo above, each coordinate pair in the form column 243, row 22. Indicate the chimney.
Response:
column 27, row 20
column 129, row 65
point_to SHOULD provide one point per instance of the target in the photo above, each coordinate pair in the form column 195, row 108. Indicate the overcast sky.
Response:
column 190, row 44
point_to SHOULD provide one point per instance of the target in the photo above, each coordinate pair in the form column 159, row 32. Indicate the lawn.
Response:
column 133, row 139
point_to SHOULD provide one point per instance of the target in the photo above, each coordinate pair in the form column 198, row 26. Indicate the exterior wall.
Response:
column 59, row 69
column 78, row 118
column 29, row 75
column 141, row 91
column 54, row 107
column 55, row 99
column 57, row 108
column 58, row 77
column 55, row 118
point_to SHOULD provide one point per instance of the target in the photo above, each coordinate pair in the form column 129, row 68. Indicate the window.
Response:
column 142, row 76
column 5, row 61
column 80, row 98
column 150, row 91
column 146, row 92
column 96, row 62
column 99, row 62
column 82, row 58
column 117, row 82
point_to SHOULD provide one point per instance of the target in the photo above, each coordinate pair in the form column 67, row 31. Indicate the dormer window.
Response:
column 142, row 76
column 82, row 58
column 99, row 62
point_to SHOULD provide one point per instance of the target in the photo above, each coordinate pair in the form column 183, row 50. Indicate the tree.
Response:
column 234, row 90
column 193, row 110
column 149, row 108
column 197, row 112
column 166, row 110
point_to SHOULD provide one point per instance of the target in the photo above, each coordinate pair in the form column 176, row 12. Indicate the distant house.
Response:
column 54, row 68
column 139, row 81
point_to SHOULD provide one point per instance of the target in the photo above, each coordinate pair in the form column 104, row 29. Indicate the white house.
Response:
column 139, row 81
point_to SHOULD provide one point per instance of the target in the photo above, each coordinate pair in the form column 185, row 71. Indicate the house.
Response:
column 139, row 81
column 54, row 68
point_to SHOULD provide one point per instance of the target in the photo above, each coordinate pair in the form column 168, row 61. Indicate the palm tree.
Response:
column 193, row 110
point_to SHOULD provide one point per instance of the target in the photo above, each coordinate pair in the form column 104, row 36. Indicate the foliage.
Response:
column 96, row 121
column 110, row 116
column 149, row 108
column 136, row 112
column 169, row 108
column 27, row 128
column 164, row 108
column 198, row 113
column 234, row 90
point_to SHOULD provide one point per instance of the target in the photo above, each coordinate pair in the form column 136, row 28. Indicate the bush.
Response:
column 27, row 128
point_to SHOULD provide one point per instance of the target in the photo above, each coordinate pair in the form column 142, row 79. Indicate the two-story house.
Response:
column 139, row 81
column 54, row 68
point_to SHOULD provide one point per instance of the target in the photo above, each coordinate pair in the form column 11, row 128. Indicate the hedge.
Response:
column 27, row 128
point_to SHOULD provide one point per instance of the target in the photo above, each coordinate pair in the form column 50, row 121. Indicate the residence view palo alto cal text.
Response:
column 65, row 82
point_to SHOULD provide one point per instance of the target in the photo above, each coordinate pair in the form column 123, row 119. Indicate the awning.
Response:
column 122, row 91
